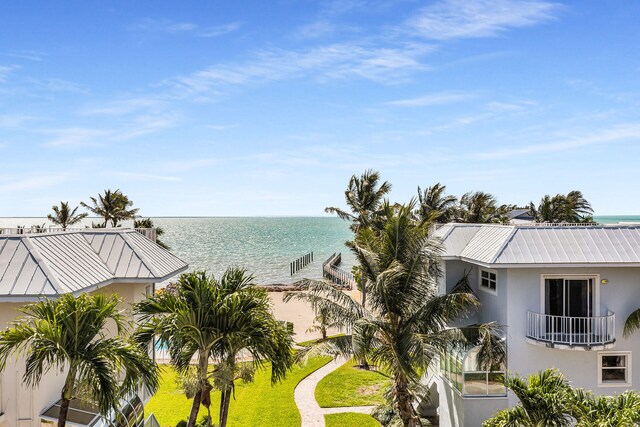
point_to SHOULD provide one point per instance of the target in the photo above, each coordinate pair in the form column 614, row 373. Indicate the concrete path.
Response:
column 312, row 414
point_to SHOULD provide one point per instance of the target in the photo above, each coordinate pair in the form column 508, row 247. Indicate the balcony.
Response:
column 581, row 333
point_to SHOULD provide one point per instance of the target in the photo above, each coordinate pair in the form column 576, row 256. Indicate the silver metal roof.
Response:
column 514, row 245
column 34, row 265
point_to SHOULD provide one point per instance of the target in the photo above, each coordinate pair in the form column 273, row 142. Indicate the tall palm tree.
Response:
column 68, row 335
column 213, row 320
column 365, row 198
column 148, row 223
column 434, row 205
column 248, row 325
column 406, row 324
column 545, row 400
column 64, row 216
column 112, row 206
column 482, row 208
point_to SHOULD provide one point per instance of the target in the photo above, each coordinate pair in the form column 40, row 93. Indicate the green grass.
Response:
column 350, row 419
column 256, row 404
column 309, row 342
column 350, row 386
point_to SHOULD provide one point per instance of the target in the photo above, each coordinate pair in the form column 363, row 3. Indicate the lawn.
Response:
column 350, row 419
column 256, row 404
column 309, row 342
column 350, row 386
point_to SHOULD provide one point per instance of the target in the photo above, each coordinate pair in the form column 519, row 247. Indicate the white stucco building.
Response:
column 561, row 294
column 33, row 266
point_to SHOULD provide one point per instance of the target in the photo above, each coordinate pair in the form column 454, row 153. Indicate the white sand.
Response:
column 300, row 313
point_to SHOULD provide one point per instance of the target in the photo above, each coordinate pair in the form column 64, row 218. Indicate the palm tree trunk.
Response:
column 224, row 414
column 226, row 395
column 67, row 394
column 64, row 409
column 363, row 289
column 404, row 404
column 195, row 407
column 203, row 367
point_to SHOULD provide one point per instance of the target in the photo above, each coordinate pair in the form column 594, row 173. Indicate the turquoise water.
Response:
column 265, row 246
column 615, row 219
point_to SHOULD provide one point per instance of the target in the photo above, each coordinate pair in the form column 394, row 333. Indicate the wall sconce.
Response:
column 604, row 281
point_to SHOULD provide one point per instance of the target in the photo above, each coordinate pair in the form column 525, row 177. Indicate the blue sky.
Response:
column 267, row 108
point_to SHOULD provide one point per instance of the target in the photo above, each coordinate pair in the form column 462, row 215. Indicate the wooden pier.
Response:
column 331, row 271
column 300, row 263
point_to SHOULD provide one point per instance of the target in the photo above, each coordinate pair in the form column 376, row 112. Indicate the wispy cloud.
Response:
column 441, row 98
column 615, row 135
column 132, row 128
column 6, row 70
column 122, row 107
column 136, row 176
column 58, row 85
column 33, row 181
column 76, row 136
column 219, row 30
column 31, row 55
column 14, row 121
column 334, row 61
column 451, row 19
column 172, row 27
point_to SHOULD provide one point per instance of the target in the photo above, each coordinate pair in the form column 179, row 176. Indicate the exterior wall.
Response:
column 621, row 296
column 458, row 411
column 23, row 405
column 492, row 307
column 520, row 290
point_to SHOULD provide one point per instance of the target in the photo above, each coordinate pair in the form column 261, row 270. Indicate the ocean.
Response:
column 263, row 245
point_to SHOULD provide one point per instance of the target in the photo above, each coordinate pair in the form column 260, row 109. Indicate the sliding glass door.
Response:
column 568, row 304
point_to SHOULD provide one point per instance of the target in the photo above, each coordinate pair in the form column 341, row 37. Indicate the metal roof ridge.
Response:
column 504, row 244
column 42, row 263
column 147, row 263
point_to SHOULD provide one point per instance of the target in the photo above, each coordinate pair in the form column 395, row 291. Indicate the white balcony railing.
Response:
column 571, row 331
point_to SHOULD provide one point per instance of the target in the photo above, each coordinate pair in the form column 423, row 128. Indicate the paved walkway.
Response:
column 312, row 414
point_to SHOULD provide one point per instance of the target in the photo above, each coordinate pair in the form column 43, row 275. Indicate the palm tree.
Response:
column 605, row 411
column 111, row 206
column 406, row 324
column 68, row 335
column 323, row 322
column 202, row 317
column 545, row 400
column 573, row 208
column 247, row 325
column 579, row 208
column 148, row 223
column 482, row 208
column 434, row 205
column 365, row 198
column 632, row 323
column 64, row 216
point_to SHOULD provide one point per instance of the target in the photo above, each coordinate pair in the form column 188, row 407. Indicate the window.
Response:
column 489, row 281
column 460, row 368
column 614, row 369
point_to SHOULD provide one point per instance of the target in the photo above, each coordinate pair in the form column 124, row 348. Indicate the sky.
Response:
column 244, row 108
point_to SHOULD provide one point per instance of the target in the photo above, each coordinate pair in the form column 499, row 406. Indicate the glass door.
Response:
column 568, row 306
